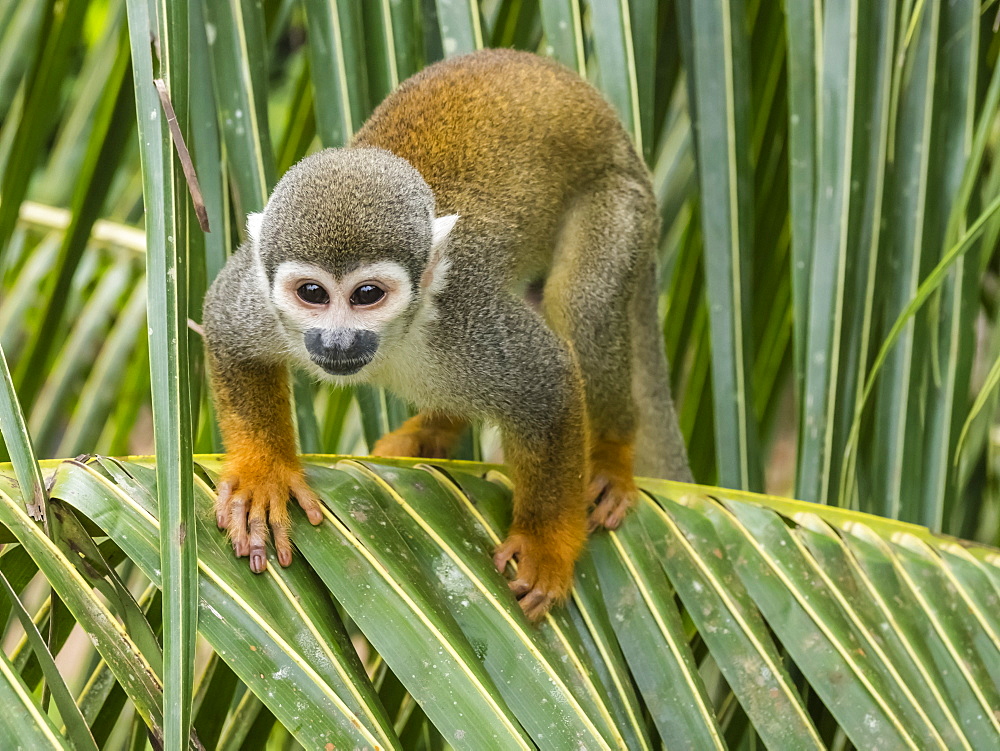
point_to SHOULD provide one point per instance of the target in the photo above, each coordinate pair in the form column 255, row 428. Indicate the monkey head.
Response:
column 349, row 251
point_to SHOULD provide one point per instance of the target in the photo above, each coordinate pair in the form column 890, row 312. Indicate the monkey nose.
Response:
column 341, row 351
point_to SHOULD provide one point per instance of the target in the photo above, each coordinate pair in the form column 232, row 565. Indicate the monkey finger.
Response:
column 258, row 538
column 224, row 493
column 282, row 544
column 237, row 524
column 308, row 501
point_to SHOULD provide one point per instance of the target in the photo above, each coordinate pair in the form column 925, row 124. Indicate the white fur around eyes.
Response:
column 340, row 313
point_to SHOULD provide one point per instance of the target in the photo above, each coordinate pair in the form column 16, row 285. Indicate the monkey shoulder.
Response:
column 239, row 321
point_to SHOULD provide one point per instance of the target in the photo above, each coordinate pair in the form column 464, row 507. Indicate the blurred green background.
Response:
column 844, row 152
column 828, row 181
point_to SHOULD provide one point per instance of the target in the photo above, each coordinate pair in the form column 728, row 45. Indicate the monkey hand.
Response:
column 254, row 492
column 544, row 566
column 612, row 488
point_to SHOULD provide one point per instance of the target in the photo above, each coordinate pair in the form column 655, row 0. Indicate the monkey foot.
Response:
column 430, row 437
column 544, row 570
column 613, row 497
column 248, row 501
column 612, row 488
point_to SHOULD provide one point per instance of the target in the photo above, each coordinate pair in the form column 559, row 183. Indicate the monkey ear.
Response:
column 442, row 227
column 254, row 222
column 437, row 265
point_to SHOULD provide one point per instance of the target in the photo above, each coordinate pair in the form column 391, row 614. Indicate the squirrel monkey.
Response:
column 404, row 260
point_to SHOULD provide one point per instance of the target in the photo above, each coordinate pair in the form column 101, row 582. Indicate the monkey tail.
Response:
column 659, row 446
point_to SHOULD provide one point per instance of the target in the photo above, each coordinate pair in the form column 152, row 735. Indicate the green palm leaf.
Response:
column 405, row 551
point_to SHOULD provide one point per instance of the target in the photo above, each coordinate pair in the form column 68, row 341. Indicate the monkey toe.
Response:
column 504, row 554
column 609, row 512
column 614, row 497
column 424, row 443
column 537, row 603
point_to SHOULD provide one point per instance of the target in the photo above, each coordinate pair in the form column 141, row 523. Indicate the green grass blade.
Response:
column 723, row 131
column 112, row 641
column 21, row 23
column 239, row 73
column 611, row 26
column 89, row 87
column 76, row 727
column 828, row 268
column 397, row 55
column 336, row 74
column 18, row 444
column 76, row 356
column 207, row 148
column 930, row 284
column 167, row 242
column 111, row 130
column 461, row 27
column 213, row 700
column 804, row 67
column 95, row 409
column 564, row 33
column 41, row 109
column 23, row 722
column 954, row 312
column 896, row 419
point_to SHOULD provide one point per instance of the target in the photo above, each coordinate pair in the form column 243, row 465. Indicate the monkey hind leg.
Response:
column 605, row 239
column 660, row 450
column 429, row 435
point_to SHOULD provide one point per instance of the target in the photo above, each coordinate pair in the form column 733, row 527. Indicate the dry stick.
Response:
column 183, row 154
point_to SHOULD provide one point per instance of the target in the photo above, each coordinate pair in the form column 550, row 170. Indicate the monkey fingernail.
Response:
column 221, row 518
column 258, row 561
column 285, row 557
column 241, row 548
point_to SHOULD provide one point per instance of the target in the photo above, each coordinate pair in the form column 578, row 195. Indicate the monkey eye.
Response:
column 367, row 294
column 313, row 294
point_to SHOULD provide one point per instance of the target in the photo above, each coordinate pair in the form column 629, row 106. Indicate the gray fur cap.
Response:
column 342, row 208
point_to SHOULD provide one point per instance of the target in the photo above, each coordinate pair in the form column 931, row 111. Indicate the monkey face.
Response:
column 336, row 324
